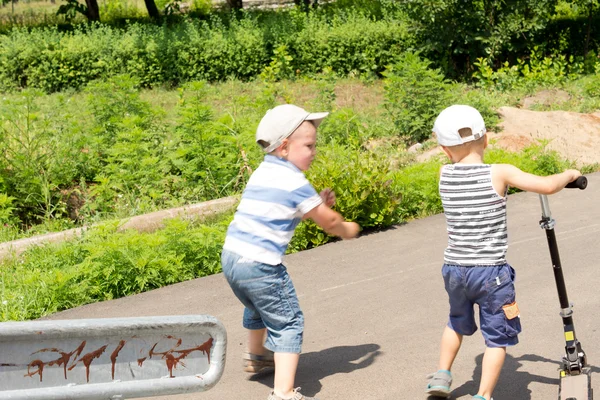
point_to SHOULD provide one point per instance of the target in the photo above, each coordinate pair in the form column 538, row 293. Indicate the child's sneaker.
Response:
column 478, row 397
column 297, row 396
column 439, row 383
column 254, row 363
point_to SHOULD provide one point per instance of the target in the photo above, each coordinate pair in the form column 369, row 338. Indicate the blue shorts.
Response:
column 270, row 299
column 490, row 287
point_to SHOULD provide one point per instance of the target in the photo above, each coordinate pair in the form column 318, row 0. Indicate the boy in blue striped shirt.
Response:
column 277, row 197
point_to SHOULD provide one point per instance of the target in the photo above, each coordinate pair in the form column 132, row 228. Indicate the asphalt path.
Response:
column 375, row 308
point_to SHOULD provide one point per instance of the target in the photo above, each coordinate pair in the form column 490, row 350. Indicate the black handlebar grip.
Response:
column 579, row 183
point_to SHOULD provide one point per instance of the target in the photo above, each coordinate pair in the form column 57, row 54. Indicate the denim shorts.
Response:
column 490, row 287
column 270, row 300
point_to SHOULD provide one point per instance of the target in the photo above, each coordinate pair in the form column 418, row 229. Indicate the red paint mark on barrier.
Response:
column 62, row 360
column 113, row 358
column 141, row 361
column 87, row 360
column 40, row 368
column 172, row 361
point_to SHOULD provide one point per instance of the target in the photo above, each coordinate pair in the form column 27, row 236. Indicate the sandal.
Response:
column 254, row 363
column 439, row 383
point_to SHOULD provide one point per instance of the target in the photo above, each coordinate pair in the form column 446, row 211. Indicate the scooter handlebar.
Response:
column 579, row 183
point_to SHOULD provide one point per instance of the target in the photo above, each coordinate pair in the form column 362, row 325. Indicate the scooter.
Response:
column 575, row 374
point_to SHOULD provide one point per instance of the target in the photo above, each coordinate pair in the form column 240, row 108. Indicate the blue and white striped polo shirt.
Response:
column 273, row 203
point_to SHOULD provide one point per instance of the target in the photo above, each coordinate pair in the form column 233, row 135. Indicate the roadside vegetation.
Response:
column 113, row 119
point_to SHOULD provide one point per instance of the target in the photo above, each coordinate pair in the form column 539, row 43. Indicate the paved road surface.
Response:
column 375, row 308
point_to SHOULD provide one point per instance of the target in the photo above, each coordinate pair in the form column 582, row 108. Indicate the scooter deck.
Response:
column 575, row 387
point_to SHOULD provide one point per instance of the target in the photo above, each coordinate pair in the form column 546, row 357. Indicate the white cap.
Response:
column 454, row 118
column 280, row 122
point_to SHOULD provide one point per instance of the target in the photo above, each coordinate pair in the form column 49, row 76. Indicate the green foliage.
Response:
column 414, row 96
column 283, row 45
column 40, row 153
column 533, row 72
column 208, row 159
column 104, row 264
column 347, row 45
column 6, row 210
column 592, row 86
column 280, row 66
column 418, row 184
column 71, row 8
column 364, row 194
column 455, row 32
column 343, row 128
column 536, row 159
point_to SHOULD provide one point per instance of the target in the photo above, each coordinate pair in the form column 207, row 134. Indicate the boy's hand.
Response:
column 574, row 174
column 328, row 197
column 352, row 229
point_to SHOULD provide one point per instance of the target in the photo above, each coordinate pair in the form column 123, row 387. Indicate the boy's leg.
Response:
column 257, row 359
column 440, row 381
column 285, row 373
column 493, row 359
column 451, row 342
column 256, row 341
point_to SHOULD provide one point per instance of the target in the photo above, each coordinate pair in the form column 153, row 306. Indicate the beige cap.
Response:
column 281, row 121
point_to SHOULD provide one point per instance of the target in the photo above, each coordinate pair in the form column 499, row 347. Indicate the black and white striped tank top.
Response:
column 475, row 216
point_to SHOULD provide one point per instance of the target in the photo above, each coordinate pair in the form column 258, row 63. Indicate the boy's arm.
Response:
column 332, row 222
column 509, row 175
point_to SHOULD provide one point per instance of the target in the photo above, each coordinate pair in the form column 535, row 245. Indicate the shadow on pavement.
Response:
column 319, row 364
column 513, row 384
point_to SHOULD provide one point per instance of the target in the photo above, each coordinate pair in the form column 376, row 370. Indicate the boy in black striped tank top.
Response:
column 475, row 270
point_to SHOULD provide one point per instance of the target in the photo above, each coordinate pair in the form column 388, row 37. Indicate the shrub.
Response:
column 414, row 96
column 282, row 44
column 364, row 193
column 348, row 45
column 104, row 265
column 418, row 184
column 40, row 154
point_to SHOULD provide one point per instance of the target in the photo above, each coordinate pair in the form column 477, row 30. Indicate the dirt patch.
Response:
column 575, row 136
column 546, row 98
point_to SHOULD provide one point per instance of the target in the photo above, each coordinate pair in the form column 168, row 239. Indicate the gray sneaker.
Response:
column 439, row 383
column 297, row 396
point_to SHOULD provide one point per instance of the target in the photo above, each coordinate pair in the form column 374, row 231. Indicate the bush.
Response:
column 354, row 45
column 418, row 184
column 104, row 265
column 364, row 193
column 534, row 71
column 40, row 154
column 414, row 95
column 213, row 49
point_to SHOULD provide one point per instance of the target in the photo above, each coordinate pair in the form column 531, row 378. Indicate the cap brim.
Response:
column 316, row 118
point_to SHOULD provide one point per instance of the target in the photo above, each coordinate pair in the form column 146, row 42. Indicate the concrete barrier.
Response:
column 116, row 358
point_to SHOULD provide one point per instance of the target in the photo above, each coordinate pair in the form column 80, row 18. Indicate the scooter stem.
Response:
column 575, row 359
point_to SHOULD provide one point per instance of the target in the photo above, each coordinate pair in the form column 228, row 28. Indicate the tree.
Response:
column 454, row 33
column 152, row 9
column 92, row 12
column 72, row 7
column 590, row 7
